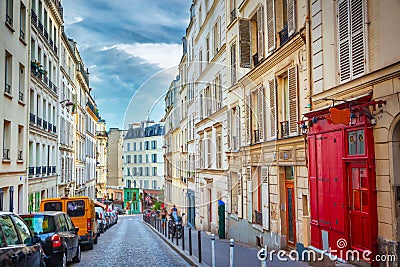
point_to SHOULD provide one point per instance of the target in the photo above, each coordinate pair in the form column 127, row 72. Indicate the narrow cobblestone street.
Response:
column 130, row 243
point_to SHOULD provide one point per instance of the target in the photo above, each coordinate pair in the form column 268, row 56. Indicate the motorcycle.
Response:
column 175, row 226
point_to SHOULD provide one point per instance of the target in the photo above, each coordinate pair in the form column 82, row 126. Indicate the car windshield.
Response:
column 40, row 224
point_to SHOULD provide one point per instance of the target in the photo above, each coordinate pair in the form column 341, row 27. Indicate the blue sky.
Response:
column 132, row 49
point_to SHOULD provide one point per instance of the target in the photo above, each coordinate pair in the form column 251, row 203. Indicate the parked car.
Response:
column 82, row 213
column 18, row 246
column 101, row 219
column 59, row 236
column 108, row 220
column 111, row 218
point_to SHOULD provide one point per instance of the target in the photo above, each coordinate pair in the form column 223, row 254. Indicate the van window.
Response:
column 76, row 208
column 53, row 206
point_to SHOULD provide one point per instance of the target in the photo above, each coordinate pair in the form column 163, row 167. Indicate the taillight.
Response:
column 56, row 241
column 89, row 224
column 101, row 216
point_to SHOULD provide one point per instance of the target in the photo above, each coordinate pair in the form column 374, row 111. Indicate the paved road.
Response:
column 130, row 243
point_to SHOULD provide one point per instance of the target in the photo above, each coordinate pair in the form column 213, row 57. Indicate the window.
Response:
column 21, row 83
column 53, row 206
column 154, row 171
column 62, row 224
column 208, row 48
column 147, row 158
column 6, row 140
column 9, row 230
column 356, row 142
column 128, row 146
column 40, row 224
column 147, row 171
column 22, row 22
column 23, row 230
column 134, row 158
column 139, row 158
column 140, row 145
column 351, row 35
column 146, row 184
column 234, row 192
column 146, row 145
column 256, row 193
column 154, row 183
column 140, row 171
column 128, row 159
column 219, row 151
column 9, row 12
column 209, row 152
column 8, row 73
column 141, row 183
column 217, row 36
column 134, row 146
column 134, row 171
column 154, row 158
column 76, row 208
column 233, row 64
column 20, row 142
column 153, row 144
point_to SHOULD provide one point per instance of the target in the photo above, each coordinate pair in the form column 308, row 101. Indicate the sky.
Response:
column 132, row 49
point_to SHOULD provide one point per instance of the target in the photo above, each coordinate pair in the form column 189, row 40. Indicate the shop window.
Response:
column 356, row 142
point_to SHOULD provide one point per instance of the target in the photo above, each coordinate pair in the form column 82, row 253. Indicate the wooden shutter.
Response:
column 272, row 107
column 260, row 35
column 357, row 37
column 293, row 118
column 261, row 112
column 265, row 197
column 291, row 17
column 249, row 195
column 244, row 43
column 271, row 25
column 237, row 124
column 344, row 39
column 248, row 118
column 229, row 128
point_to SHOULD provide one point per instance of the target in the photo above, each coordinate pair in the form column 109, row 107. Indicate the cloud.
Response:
column 162, row 55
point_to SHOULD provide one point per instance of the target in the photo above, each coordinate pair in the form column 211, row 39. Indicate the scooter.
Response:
column 175, row 227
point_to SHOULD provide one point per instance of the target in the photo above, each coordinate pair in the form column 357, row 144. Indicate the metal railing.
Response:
column 38, row 121
column 284, row 128
column 258, row 217
column 40, row 26
column 51, row 43
column 20, row 154
column 45, row 125
column 44, row 170
column 46, row 34
column 38, row 171
column 21, row 96
column 284, row 35
column 32, row 118
column 7, row 89
column 22, row 35
column 34, row 18
column 9, row 19
column 50, row 128
column 31, row 171
column 256, row 136
column 54, row 129
column 6, row 153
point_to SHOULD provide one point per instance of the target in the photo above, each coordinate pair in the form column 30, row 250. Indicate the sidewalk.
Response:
column 244, row 255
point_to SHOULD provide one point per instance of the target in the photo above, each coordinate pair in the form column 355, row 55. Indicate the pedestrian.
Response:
column 174, row 213
column 164, row 216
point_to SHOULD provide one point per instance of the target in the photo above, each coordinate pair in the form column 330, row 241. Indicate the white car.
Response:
column 101, row 219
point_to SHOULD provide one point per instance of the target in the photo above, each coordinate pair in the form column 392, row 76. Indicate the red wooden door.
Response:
column 290, row 214
column 359, row 204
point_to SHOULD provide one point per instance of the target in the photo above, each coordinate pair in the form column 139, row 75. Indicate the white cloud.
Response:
column 160, row 54
column 72, row 20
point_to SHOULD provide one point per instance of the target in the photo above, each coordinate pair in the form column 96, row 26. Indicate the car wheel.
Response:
column 77, row 258
column 63, row 263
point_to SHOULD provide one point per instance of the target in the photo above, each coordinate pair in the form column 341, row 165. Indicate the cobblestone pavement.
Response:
column 130, row 243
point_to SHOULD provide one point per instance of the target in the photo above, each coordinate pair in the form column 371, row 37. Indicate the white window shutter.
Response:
column 238, row 133
column 244, row 43
column 249, row 195
column 248, row 118
column 229, row 128
column 357, row 38
column 293, row 109
column 230, row 186
column 272, row 107
column 261, row 112
column 271, row 35
column 265, row 197
column 260, row 34
column 344, row 39
column 240, row 196
column 291, row 9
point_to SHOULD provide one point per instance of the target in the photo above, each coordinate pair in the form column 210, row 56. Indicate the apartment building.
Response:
column 45, row 39
column 66, row 122
column 92, row 117
column 14, row 66
column 143, row 162
column 101, row 159
column 115, row 164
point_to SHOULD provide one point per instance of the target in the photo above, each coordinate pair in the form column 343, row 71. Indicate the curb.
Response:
column 192, row 260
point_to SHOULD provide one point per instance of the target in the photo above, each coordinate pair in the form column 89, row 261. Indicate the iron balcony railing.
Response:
column 39, row 121
column 20, row 154
column 45, row 125
column 22, row 35
column 46, row 80
column 48, row 170
column 40, row 26
column 50, row 85
column 51, row 43
column 55, row 48
column 31, row 171
column 6, row 153
column 50, row 128
column 256, row 136
column 38, row 171
column 7, row 89
column 21, row 96
column 9, row 20
column 284, row 128
column 44, row 170
column 83, row 72
column 284, row 35
column 258, row 217
column 54, row 129
column 32, row 118
column 46, row 34
column 53, row 169
column 34, row 18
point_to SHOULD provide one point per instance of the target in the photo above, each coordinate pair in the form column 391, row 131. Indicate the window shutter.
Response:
column 344, row 40
column 291, row 17
column 272, row 107
column 240, row 196
column 229, row 128
column 248, row 118
column 237, row 124
column 357, row 38
column 271, row 25
column 293, row 118
column 265, row 197
column 244, row 43
column 249, row 196
column 260, row 27
column 261, row 111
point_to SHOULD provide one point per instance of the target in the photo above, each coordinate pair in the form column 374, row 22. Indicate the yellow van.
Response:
column 82, row 212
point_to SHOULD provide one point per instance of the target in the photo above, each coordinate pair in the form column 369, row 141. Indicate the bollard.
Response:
column 190, row 241
column 212, row 250
column 199, row 244
column 165, row 228
column 168, row 233
column 231, row 246
column 263, row 256
column 183, row 237
column 176, row 235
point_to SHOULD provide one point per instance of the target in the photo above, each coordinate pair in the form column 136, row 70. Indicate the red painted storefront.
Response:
column 341, row 163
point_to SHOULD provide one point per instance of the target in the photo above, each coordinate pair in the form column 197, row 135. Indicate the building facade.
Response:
column 101, row 158
column 14, row 66
column 115, row 164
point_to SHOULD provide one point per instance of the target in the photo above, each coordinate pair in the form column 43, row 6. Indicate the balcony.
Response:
column 51, row 43
column 92, row 108
column 32, row 118
column 40, row 26
column 53, row 169
column 46, row 34
column 34, row 19
column 38, row 171
column 101, row 133
column 55, row 48
column 6, row 154
column 44, row 170
column 82, row 71
column 21, row 96
column 45, row 125
column 7, row 89
column 50, row 85
column 48, row 170
column 38, row 122
column 257, row 217
column 54, row 129
column 50, row 128
column 284, row 128
column 31, row 171
column 256, row 136
column 46, row 80
column 284, row 35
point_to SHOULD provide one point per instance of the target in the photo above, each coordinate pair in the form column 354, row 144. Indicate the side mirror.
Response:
column 76, row 230
column 36, row 239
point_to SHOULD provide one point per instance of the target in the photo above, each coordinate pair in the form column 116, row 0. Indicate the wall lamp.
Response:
column 67, row 102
